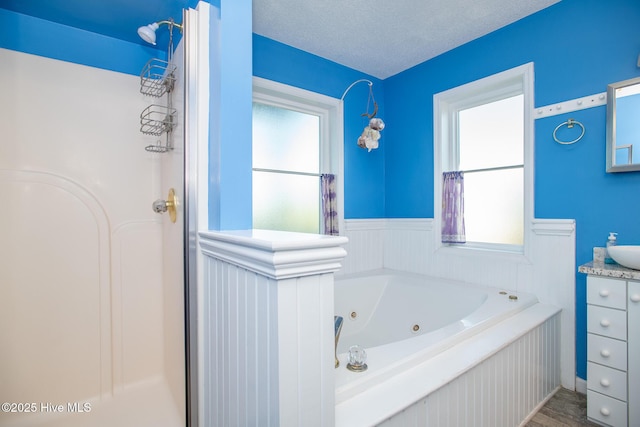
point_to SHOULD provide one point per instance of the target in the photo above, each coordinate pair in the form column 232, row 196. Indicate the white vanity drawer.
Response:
column 607, row 381
column 606, row 409
column 607, row 351
column 607, row 292
column 607, row 321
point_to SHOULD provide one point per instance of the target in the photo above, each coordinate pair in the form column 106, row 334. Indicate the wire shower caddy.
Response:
column 157, row 79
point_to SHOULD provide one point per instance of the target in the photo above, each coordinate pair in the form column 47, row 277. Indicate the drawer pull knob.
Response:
column 605, row 353
column 605, row 323
column 605, row 382
column 604, row 293
column 635, row 297
column 605, row 411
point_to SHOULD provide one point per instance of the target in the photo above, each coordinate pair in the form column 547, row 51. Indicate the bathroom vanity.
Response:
column 613, row 344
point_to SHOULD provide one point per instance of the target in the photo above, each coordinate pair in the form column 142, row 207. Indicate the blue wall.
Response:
column 230, row 116
column 44, row 38
column 364, row 171
column 578, row 47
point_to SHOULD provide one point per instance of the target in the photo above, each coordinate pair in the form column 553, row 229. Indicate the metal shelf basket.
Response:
column 157, row 119
column 157, row 77
column 159, row 147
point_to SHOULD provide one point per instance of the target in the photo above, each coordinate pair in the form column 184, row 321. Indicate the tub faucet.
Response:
column 337, row 324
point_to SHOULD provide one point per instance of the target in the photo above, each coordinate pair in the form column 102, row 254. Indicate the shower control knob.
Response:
column 170, row 205
column 356, row 359
column 160, row 206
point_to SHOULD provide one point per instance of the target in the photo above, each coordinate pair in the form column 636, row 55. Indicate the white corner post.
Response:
column 268, row 335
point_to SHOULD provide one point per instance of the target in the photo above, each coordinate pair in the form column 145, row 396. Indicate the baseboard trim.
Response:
column 538, row 407
column 581, row 385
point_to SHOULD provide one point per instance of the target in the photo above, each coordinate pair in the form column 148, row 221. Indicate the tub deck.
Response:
column 414, row 298
column 374, row 405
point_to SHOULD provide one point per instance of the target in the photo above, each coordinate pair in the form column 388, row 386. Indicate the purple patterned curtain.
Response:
column 329, row 203
column 453, row 208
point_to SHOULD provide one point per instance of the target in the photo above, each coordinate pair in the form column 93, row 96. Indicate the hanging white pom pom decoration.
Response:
column 371, row 134
column 369, row 139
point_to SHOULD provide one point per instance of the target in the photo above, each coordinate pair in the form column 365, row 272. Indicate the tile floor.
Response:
column 565, row 408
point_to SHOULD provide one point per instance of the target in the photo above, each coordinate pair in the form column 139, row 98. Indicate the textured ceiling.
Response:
column 382, row 37
column 378, row 37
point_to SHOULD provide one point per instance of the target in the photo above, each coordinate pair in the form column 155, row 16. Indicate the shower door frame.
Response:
column 196, row 72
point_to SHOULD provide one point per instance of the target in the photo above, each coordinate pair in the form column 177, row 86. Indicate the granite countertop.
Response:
column 609, row 270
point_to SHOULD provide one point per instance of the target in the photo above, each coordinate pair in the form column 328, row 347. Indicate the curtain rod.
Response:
column 353, row 84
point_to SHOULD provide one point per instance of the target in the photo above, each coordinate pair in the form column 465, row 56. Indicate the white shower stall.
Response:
column 92, row 280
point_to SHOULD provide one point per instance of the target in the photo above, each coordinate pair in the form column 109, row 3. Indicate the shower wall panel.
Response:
column 82, row 303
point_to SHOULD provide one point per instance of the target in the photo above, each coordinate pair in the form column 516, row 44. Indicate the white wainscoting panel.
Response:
column 306, row 351
column 241, row 346
column 268, row 328
column 501, row 391
column 553, row 281
column 365, row 250
column 407, row 244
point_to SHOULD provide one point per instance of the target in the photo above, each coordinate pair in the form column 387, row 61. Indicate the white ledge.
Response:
column 553, row 227
column 276, row 254
column 364, row 224
column 425, row 224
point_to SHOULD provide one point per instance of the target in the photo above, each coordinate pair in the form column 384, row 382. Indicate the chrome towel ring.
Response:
column 570, row 123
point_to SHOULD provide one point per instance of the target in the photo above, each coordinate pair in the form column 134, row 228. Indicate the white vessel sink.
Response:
column 626, row 256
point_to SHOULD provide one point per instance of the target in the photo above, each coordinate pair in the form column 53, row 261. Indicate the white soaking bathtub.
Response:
column 403, row 321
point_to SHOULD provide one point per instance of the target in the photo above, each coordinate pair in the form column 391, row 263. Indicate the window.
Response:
column 484, row 129
column 294, row 135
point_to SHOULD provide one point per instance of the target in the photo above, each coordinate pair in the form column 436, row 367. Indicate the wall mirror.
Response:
column 623, row 126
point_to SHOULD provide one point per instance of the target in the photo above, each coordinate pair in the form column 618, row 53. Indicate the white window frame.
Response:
column 445, row 106
column 331, row 127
